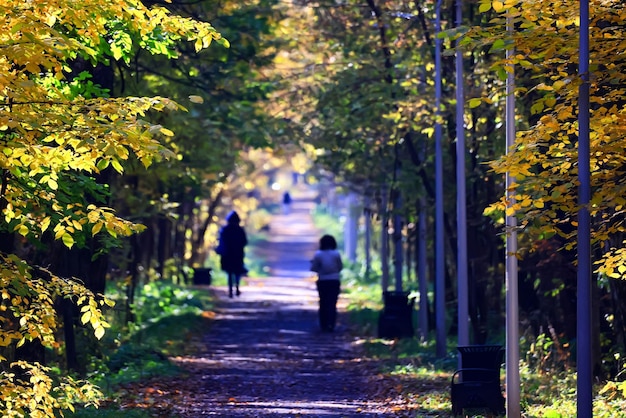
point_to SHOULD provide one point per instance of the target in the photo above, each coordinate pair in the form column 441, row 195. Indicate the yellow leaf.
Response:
column 196, row 99
column 111, row 231
column 93, row 216
column 53, row 184
column 99, row 332
column 51, row 20
column 23, row 230
column 45, row 224
column 166, row 132
column 96, row 228
column 497, row 6
column 77, row 225
column 59, row 232
column 85, row 317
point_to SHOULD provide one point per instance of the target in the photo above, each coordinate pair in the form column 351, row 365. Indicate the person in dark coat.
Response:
column 232, row 241
column 286, row 203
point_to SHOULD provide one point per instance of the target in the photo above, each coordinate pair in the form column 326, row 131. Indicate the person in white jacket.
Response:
column 328, row 265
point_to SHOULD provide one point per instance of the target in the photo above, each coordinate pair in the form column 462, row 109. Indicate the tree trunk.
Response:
column 351, row 227
column 198, row 255
column 384, row 241
column 422, row 269
column 69, row 314
column 397, row 241
column 368, row 238
column 164, row 243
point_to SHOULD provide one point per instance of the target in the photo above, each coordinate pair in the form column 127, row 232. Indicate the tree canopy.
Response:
column 57, row 132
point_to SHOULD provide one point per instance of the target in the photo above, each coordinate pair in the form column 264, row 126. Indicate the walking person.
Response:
column 286, row 203
column 328, row 265
column 232, row 241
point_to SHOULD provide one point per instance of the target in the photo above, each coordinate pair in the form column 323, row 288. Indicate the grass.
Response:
column 328, row 223
column 168, row 318
column 109, row 413
column 422, row 380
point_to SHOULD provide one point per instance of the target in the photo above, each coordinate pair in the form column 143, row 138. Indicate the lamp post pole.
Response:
column 511, row 279
column 583, row 328
column 461, row 221
column 440, row 290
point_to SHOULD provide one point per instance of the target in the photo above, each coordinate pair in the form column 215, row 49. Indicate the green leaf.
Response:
column 537, row 107
column 117, row 166
column 474, row 102
column 498, row 45
column 102, row 164
column 502, row 74
column 68, row 240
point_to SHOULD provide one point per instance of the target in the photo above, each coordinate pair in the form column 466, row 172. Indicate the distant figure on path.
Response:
column 286, row 203
column 232, row 241
column 328, row 265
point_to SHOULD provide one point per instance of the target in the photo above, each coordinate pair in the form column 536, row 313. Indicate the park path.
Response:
column 265, row 356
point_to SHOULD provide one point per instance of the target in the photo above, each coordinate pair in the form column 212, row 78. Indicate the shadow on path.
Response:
column 264, row 356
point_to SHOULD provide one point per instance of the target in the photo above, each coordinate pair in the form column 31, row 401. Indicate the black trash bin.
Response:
column 202, row 276
column 396, row 318
column 477, row 383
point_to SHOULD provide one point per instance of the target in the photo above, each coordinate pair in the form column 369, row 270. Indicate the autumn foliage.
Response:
column 58, row 131
column 544, row 161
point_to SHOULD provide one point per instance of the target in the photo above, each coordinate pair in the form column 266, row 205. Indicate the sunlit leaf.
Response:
column 85, row 317
column 474, row 102
column 166, row 132
column 99, row 332
column 68, row 240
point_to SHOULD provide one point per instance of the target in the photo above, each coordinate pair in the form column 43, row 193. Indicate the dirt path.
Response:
column 265, row 356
